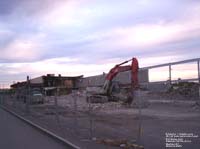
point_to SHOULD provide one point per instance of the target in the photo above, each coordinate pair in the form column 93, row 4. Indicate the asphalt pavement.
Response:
column 15, row 134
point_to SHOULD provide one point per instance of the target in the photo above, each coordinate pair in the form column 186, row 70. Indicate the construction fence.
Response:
column 90, row 124
column 75, row 119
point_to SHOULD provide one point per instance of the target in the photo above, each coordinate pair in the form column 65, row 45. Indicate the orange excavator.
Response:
column 105, row 93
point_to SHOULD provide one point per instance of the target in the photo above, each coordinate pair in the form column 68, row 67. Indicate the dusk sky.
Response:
column 75, row 37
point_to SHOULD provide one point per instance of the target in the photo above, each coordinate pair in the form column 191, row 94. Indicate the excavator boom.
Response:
column 117, row 69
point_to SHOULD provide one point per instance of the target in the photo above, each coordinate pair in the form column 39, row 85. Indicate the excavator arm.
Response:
column 117, row 69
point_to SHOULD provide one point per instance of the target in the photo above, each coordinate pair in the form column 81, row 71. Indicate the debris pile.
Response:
column 186, row 89
column 80, row 102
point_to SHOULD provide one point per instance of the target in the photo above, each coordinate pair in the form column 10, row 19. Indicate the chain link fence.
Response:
column 74, row 118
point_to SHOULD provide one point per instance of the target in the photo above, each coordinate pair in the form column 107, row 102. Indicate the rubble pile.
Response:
column 107, row 106
column 78, row 100
column 73, row 100
column 186, row 89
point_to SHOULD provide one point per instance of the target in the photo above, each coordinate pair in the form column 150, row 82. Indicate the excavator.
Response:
column 106, row 92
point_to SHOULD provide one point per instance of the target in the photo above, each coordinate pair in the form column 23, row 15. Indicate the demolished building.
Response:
column 49, row 83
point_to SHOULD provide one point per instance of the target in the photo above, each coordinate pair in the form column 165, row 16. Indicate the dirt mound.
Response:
column 186, row 89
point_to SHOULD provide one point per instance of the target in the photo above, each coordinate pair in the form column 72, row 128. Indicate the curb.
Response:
column 45, row 131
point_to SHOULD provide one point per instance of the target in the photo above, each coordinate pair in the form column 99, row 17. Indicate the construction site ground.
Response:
column 112, row 125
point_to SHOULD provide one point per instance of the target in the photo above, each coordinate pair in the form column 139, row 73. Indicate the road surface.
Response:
column 15, row 134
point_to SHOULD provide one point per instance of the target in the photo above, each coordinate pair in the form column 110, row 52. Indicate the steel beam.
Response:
column 173, row 63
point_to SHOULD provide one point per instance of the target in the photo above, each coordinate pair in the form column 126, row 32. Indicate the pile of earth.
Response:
column 186, row 89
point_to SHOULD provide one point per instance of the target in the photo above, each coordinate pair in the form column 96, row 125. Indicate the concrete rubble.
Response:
column 79, row 100
column 185, row 89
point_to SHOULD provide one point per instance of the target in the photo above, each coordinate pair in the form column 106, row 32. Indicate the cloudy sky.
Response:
column 75, row 37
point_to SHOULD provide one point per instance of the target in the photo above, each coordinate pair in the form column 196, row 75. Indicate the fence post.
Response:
column 91, row 119
column 198, row 69
column 1, row 99
column 75, row 112
column 27, row 95
column 13, row 94
column 0, row 95
column 170, row 74
column 56, row 105
column 137, row 95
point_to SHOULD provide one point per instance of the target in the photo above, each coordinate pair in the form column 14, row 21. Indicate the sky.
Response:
column 88, row 37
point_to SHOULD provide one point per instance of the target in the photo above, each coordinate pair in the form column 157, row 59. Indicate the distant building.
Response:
column 49, row 84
